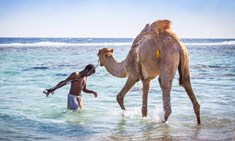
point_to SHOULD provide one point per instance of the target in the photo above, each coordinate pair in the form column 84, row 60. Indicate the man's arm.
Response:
column 61, row 84
column 89, row 91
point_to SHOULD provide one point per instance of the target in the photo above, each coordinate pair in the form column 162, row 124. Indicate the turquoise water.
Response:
column 29, row 65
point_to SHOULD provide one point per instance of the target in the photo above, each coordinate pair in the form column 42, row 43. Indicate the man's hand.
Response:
column 48, row 91
column 95, row 94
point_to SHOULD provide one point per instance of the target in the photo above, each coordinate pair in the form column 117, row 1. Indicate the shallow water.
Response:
column 28, row 65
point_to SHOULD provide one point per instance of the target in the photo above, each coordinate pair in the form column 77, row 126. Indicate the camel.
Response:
column 156, row 51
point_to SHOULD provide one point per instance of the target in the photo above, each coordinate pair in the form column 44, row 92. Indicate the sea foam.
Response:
column 62, row 44
column 211, row 43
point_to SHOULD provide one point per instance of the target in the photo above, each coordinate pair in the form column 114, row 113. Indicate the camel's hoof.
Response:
column 145, row 117
column 124, row 113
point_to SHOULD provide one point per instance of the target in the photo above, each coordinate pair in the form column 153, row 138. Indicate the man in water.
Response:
column 78, row 84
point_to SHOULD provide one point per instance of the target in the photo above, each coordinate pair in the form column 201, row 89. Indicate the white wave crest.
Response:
column 61, row 44
column 211, row 44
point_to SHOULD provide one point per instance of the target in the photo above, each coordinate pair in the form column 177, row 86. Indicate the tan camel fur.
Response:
column 156, row 51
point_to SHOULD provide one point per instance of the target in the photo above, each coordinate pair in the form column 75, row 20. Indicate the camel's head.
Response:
column 103, row 54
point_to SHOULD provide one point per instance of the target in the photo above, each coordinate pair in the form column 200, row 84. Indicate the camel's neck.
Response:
column 116, row 68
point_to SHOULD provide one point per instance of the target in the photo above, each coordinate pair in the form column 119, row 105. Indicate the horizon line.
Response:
column 116, row 37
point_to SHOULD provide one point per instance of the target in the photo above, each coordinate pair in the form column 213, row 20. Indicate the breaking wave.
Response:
column 211, row 43
column 109, row 43
column 63, row 44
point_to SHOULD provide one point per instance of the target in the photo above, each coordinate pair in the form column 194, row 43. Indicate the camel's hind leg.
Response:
column 166, row 85
column 165, row 80
column 120, row 97
column 168, row 68
column 146, row 85
column 188, row 88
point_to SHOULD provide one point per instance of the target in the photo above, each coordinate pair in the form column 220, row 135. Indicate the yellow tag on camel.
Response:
column 158, row 54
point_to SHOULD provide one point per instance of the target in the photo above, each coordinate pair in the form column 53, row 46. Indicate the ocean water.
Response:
column 29, row 65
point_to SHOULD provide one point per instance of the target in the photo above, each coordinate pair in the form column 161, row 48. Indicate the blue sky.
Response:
column 115, row 18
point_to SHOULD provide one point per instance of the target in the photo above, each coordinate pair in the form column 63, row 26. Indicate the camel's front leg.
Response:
column 120, row 97
column 146, row 85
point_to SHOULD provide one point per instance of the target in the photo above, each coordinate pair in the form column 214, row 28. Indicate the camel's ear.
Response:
column 111, row 50
column 100, row 50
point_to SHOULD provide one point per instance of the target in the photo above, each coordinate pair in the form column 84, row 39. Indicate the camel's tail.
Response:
column 184, row 71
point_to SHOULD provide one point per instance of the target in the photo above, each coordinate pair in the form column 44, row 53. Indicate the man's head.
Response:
column 90, row 69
